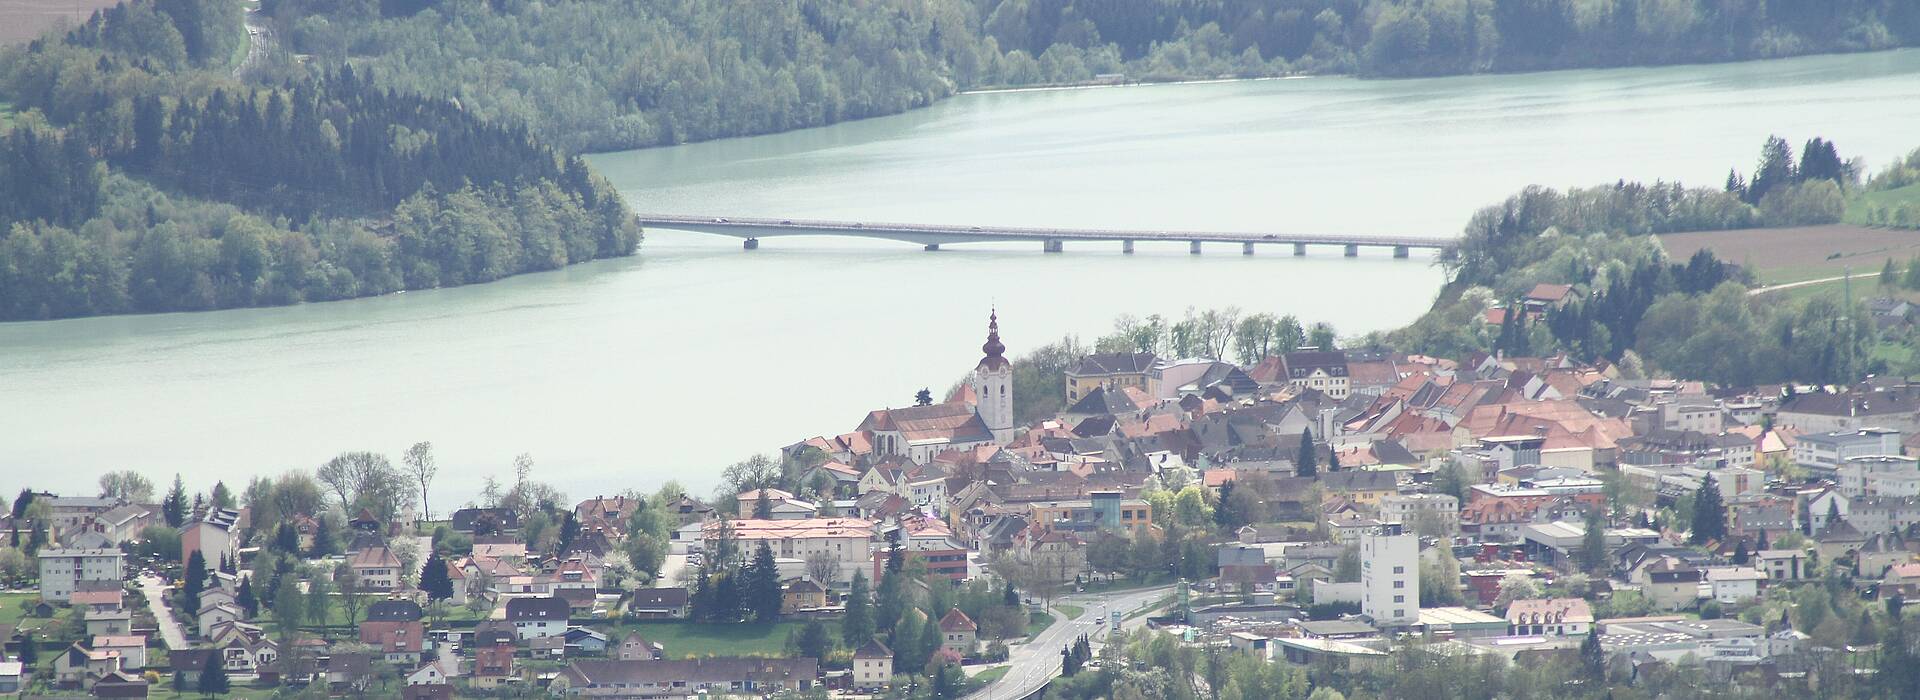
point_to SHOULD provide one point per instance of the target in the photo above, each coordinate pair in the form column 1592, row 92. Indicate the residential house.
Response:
column 13, row 676
column 395, row 629
column 218, row 614
column 634, row 647
column 1671, row 584
column 1323, row 371
column 1734, row 585
column 120, row 684
column 62, row 571
column 492, row 665
column 1361, row 486
column 1415, row 510
column 377, row 567
column 534, row 618
column 783, row 505
column 585, row 640
column 131, row 649
column 1782, row 564
column 802, row 594
column 655, row 603
column 209, row 531
column 79, row 667
column 872, row 666
column 958, row 633
column 1880, row 552
column 1138, row 369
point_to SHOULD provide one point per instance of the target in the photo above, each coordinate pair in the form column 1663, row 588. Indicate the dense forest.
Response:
column 141, row 178
column 608, row 74
column 1635, row 307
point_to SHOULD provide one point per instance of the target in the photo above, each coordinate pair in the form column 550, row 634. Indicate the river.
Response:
column 694, row 354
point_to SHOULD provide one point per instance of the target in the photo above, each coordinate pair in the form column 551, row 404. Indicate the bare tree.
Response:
column 348, row 583
column 420, row 464
column 126, row 484
column 367, row 479
column 823, row 567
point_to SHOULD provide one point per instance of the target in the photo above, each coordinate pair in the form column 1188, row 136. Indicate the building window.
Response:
column 1399, row 569
column 1399, row 599
column 1399, row 584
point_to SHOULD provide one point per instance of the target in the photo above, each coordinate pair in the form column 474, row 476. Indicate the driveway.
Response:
column 155, row 591
column 1038, row 661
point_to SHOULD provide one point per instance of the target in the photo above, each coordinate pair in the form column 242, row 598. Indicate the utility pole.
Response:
column 1846, row 319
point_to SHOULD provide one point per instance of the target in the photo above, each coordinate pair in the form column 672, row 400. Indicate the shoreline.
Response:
column 1091, row 85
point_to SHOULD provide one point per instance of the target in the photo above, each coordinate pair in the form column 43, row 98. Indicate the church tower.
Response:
column 993, row 384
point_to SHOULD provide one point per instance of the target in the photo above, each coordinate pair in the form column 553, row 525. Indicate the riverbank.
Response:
column 1097, row 84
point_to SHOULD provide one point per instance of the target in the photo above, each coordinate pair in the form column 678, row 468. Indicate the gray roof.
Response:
column 1114, row 363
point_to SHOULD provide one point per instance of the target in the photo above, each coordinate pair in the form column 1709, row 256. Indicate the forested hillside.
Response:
column 1633, row 306
column 142, row 178
column 608, row 74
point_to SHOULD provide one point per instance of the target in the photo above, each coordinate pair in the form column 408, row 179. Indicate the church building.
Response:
column 981, row 415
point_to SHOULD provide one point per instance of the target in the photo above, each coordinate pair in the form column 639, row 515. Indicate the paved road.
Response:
column 1038, row 661
column 155, row 591
column 259, row 34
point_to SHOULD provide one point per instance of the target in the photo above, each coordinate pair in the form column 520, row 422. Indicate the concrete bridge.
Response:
column 1052, row 240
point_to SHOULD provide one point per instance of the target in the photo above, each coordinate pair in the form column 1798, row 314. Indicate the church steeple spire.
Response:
column 995, row 350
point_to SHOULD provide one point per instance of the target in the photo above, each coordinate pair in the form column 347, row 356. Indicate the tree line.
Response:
column 136, row 183
column 611, row 74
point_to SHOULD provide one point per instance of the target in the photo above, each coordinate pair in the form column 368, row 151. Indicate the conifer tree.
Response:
column 763, row 585
column 1709, row 513
column 1304, row 461
column 857, row 628
column 435, row 580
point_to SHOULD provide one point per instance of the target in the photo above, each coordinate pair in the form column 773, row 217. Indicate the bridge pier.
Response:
column 1299, row 249
column 1400, row 251
column 1051, row 246
column 1126, row 246
column 1353, row 251
column 1246, row 248
column 1194, row 247
column 751, row 244
column 933, row 246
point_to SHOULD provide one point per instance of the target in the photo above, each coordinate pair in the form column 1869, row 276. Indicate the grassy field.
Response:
column 1038, row 622
column 1778, row 255
column 13, row 606
column 1071, row 611
column 1886, row 199
column 990, row 675
column 689, row 640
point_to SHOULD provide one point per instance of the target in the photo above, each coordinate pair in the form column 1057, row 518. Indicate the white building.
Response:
column 1735, row 584
column 62, row 570
column 1411, row 509
column 846, row 539
column 1828, row 450
column 993, row 385
column 1879, row 475
column 1390, row 578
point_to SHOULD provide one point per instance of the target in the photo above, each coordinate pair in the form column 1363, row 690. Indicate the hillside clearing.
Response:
column 1779, row 255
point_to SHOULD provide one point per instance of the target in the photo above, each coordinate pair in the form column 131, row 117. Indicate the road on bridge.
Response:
column 934, row 235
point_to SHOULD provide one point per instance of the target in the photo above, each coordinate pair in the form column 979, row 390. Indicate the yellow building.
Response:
column 1113, row 369
column 1102, row 510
